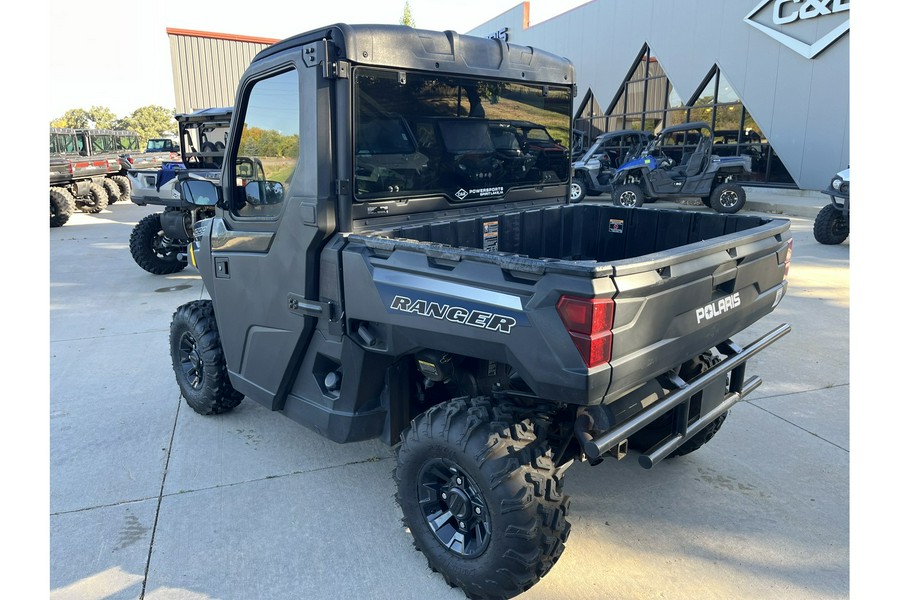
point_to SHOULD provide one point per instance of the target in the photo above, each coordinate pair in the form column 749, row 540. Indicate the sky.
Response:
column 126, row 64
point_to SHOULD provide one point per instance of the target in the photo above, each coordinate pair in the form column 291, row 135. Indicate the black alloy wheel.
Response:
column 629, row 195
column 454, row 508
column 482, row 495
column 728, row 198
column 190, row 361
column 199, row 361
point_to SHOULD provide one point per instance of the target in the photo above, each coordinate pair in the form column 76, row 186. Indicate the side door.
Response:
column 266, row 243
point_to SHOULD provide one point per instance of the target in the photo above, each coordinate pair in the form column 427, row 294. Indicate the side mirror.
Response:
column 264, row 192
column 199, row 193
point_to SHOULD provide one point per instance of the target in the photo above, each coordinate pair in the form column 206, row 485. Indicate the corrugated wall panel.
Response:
column 206, row 69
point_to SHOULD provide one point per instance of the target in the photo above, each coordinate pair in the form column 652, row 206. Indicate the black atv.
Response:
column 679, row 163
column 832, row 224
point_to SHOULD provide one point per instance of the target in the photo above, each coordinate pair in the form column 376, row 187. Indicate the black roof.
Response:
column 686, row 127
column 433, row 51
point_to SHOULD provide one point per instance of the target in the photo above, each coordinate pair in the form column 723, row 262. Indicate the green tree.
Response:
column 102, row 117
column 97, row 117
column 407, row 18
column 150, row 122
column 76, row 118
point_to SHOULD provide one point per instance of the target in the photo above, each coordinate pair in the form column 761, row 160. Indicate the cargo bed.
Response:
column 582, row 239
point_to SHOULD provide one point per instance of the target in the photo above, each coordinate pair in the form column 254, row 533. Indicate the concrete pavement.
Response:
column 150, row 500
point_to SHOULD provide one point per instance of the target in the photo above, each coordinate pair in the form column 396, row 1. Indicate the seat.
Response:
column 693, row 163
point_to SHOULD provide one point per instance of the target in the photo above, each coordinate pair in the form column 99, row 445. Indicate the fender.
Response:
column 646, row 162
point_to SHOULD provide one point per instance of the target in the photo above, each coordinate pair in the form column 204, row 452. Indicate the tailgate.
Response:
column 670, row 308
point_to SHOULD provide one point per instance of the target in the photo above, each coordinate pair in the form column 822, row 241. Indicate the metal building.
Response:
column 207, row 67
column 771, row 76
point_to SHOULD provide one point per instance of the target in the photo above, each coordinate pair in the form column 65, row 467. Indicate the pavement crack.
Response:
column 818, row 389
column 162, row 486
column 95, row 507
column 107, row 336
column 372, row 459
column 800, row 427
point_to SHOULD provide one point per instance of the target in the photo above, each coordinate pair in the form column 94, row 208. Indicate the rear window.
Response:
column 418, row 134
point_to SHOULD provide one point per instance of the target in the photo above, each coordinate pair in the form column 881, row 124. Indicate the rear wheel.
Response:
column 198, row 360
column 629, row 195
column 62, row 205
column 153, row 250
column 95, row 201
column 577, row 190
column 112, row 190
column 124, row 187
column 831, row 226
column 728, row 198
column 482, row 496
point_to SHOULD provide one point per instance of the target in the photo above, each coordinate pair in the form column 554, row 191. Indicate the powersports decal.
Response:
column 485, row 192
column 714, row 309
column 457, row 314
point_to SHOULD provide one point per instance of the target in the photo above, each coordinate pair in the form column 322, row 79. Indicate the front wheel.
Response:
column 482, row 496
column 577, row 190
column 198, row 360
column 728, row 198
column 153, row 250
column 629, row 195
column 831, row 227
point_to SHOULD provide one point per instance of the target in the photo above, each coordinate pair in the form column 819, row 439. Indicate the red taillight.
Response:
column 71, row 167
column 589, row 323
column 787, row 257
column 130, row 160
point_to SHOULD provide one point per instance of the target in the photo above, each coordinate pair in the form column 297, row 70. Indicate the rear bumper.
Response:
column 716, row 400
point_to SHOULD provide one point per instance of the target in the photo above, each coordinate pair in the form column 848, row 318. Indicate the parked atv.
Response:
column 659, row 172
column 832, row 224
column 593, row 171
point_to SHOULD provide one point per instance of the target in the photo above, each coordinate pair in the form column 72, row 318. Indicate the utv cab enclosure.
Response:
column 385, row 262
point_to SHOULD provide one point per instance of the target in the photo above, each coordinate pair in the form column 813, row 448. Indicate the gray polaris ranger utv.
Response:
column 385, row 271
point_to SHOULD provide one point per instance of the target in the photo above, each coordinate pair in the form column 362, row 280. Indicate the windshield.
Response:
column 158, row 145
column 537, row 134
column 426, row 134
